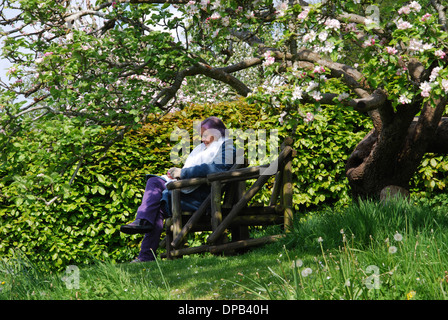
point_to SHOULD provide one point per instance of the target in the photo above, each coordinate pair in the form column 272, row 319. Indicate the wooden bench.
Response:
column 228, row 207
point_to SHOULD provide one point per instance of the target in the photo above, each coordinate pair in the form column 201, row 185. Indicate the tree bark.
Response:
column 384, row 158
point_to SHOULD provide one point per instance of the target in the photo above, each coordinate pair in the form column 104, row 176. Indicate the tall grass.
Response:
column 20, row 279
column 369, row 250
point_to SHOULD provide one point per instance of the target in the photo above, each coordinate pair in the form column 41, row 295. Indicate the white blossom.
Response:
column 332, row 24
column 434, row 74
column 445, row 85
column 403, row 99
column 311, row 86
column 426, row 88
column 316, row 95
column 403, row 25
column 297, row 93
column 323, row 36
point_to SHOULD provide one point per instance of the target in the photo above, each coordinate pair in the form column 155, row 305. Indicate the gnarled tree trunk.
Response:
column 391, row 153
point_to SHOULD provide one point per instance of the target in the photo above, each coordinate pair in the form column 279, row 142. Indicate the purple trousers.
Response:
column 151, row 210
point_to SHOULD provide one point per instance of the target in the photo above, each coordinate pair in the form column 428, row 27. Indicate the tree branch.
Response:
column 441, row 12
column 219, row 74
column 374, row 101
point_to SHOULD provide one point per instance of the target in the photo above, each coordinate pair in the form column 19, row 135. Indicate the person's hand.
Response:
column 174, row 173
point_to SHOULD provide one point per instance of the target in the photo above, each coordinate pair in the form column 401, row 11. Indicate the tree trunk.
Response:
column 390, row 154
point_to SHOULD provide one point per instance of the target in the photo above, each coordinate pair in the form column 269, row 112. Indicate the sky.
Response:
column 4, row 64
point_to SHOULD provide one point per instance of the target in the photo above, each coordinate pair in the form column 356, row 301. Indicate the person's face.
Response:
column 207, row 136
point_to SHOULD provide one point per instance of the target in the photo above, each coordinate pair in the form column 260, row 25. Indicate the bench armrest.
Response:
column 186, row 183
column 236, row 174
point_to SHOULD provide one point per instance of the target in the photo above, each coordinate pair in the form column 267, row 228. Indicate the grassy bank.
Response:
column 366, row 251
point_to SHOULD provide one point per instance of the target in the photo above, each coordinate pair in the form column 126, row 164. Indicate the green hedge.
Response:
column 84, row 225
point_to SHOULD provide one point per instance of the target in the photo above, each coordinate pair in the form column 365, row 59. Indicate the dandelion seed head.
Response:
column 298, row 263
column 306, row 272
column 398, row 237
column 392, row 249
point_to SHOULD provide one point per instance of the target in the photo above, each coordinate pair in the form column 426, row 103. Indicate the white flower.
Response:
column 306, row 272
column 427, row 46
column 297, row 263
column 250, row 15
column 309, row 117
column 297, row 93
column 404, row 10
column 215, row 33
column 311, row 86
column 282, row 7
column 204, row 3
column 328, row 48
column 215, row 16
column 445, row 85
column 323, row 36
column 392, row 249
column 415, row 6
column 391, row 50
column 404, row 100
column 369, row 42
column 404, row 25
column 319, row 69
column 426, row 88
column 341, row 97
column 332, row 24
column 268, row 59
column 426, row 16
column 440, row 54
column 398, row 237
column 416, row 45
column 225, row 21
column 434, row 74
column 311, row 36
column 303, row 14
column 316, row 95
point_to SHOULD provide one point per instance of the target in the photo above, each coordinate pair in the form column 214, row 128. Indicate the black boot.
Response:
column 138, row 226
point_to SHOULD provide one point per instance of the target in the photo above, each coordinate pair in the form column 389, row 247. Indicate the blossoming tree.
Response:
column 83, row 65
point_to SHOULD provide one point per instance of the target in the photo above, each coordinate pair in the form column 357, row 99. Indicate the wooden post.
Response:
column 276, row 188
column 216, row 219
column 177, row 212
column 168, row 243
column 216, row 204
column 287, row 193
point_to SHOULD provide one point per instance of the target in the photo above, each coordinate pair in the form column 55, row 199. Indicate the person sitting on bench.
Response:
column 216, row 153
